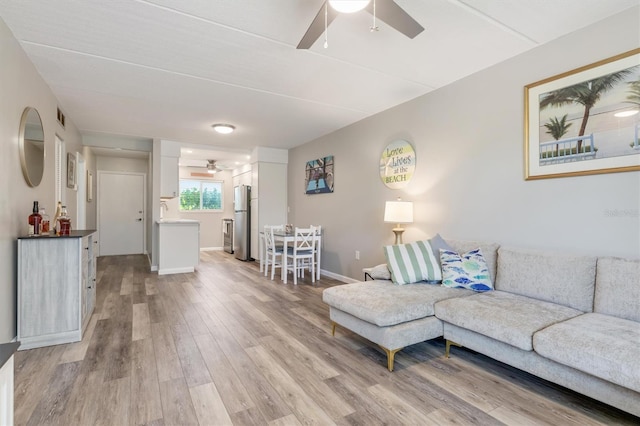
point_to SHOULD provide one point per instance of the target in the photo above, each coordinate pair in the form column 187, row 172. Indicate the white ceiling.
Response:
column 170, row 69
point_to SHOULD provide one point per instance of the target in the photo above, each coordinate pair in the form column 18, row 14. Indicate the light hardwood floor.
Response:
column 225, row 345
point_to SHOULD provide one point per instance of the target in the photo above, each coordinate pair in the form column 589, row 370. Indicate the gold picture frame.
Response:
column 585, row 121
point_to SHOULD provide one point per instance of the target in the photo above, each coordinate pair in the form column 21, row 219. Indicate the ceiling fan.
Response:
column 386, row 10
column 212, row 166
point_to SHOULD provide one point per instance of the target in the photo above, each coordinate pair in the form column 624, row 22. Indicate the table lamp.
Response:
column 398, row 212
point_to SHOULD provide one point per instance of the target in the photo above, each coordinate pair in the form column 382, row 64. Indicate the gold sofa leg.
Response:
column 448, row 347
column 333, row 328
column 391, row 354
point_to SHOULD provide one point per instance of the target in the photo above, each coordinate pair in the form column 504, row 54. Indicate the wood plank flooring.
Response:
column 224, row 345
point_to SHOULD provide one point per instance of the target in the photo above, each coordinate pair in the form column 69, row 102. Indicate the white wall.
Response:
column 469, row 182
column 22, row 86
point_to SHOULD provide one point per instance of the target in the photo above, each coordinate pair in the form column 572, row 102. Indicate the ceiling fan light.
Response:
column 224, row 129
column 348, row 6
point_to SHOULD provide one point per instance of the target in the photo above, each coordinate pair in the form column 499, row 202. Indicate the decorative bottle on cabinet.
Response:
column 45, row 225
column 35, row 220
column 55, row 218
column 64, row 223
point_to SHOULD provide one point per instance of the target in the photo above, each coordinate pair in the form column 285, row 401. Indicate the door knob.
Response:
column 139, row 219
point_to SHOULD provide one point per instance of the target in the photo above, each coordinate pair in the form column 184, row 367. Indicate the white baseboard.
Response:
column 210, row 248
column 338, row 277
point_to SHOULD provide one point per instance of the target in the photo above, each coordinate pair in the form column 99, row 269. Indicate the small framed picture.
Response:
column 71, row 171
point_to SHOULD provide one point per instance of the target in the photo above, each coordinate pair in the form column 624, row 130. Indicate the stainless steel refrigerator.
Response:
column 242, row 222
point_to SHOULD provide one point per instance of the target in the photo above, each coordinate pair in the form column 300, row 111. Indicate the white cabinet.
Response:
column 56, row 288
column 179, row 241
column 169, row 179
column 6, row 382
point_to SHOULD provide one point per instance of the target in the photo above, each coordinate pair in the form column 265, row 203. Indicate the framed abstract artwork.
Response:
column 319, row 176
column 585, row 121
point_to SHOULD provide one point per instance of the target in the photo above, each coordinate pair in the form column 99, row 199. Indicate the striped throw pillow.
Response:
column 413, row 262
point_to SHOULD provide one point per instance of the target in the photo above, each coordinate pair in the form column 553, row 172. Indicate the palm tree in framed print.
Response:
column 587, row 94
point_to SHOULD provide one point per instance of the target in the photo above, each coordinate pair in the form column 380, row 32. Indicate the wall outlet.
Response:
column 357, row 255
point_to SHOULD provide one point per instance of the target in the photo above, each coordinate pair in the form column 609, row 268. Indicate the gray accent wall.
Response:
column 22, row 86
column 469, row 181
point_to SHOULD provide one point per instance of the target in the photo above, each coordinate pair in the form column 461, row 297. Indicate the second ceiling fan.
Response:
column 386, row 10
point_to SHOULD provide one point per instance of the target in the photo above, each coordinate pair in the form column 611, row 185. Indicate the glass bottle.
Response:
column 64, row 223
column 56, row 230
column 45, row 225
column 34, row 220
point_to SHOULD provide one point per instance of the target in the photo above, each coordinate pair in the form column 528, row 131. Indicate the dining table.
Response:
column 287, row 237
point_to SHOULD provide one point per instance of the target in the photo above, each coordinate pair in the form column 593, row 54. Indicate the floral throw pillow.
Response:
column 468, row 270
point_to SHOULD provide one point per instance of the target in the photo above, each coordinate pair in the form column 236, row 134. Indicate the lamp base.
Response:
column 398, row 231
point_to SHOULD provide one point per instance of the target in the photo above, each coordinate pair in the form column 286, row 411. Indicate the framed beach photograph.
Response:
column 71, row 171
column 318, row 176
column 585, row 121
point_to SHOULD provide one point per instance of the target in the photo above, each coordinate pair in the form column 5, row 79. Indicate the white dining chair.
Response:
column 272, row 251
column 301, row 255
column 317, row 230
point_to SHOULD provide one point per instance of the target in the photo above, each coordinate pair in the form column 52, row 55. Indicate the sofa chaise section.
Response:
column 392, row 316
column 395, row 316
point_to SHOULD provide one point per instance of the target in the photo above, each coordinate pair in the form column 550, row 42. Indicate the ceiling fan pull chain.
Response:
column 374, row 27
column 326, row 14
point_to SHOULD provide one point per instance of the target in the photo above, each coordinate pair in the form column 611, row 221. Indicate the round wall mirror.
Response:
column 31, row 146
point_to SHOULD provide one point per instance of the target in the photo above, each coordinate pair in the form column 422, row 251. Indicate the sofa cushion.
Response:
column 383, row 303
column 601, row 345
column 618, row 288
column 489, row 251
column 506, row 317
column 467, row 270
column 565, row 280
column 437, row 243
column 412, row 263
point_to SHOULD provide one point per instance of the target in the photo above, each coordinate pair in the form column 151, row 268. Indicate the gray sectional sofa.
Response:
column 572, row 320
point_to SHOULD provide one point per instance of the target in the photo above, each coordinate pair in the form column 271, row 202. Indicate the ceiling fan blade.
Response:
column 389, row 12
column 316, row 28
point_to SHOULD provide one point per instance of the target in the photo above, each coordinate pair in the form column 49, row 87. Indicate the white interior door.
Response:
column 121, row 224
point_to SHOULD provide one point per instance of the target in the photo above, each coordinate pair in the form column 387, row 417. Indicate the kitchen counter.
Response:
column 179, row 246
column 72, row 234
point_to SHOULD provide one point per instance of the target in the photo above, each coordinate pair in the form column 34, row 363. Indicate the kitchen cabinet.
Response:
column 56, row 287
column 169, row 178
column 179, row 246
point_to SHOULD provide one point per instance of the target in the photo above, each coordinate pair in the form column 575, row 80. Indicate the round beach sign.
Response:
column 397, row 164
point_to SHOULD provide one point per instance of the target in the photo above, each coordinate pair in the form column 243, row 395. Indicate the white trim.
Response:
column 210, row 248
column 184, row 270
column 338, row 277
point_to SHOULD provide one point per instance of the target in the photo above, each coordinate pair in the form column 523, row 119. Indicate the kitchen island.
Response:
column 179, row 246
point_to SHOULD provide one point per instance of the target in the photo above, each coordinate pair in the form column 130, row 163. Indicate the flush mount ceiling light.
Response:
column 627, row 113
column 348, row 6
column 224, row 129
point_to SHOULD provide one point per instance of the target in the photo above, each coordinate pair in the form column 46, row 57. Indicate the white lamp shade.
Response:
column 348, row 6
column 398, row 212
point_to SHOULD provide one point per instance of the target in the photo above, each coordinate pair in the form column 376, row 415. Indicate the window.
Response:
column 200, row 195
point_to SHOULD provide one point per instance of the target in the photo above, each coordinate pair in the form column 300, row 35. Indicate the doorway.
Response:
column 121, row 216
